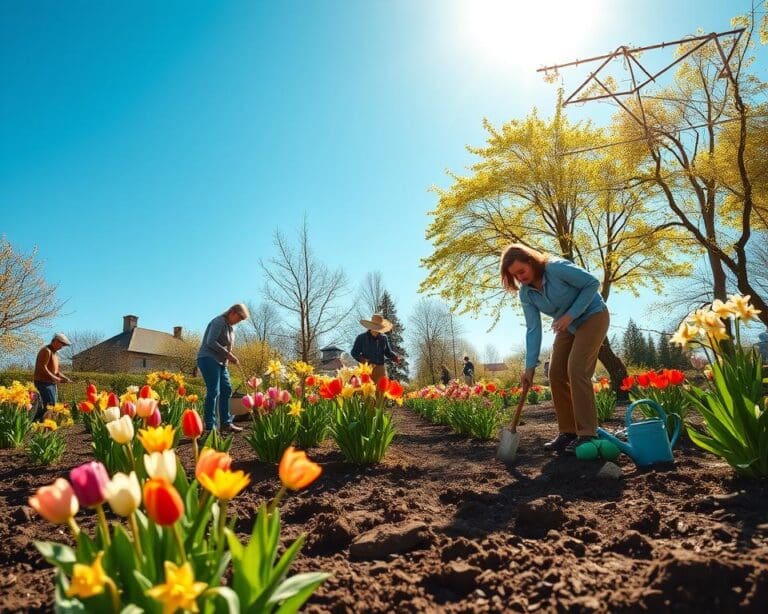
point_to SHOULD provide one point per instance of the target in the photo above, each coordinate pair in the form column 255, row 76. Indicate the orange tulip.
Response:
column 162, row 501
column 382, row 384
column 211, row 460
column 56, row 503
column 296, row 470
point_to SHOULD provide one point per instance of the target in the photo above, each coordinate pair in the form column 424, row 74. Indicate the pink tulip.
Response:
column 285, row 397
column 354, row 381
column 128, row 409
column 297, row 391
column 313, row 398
column 273, row 393
column 56, row 503
column 248, row 401
column 269, row 404
column 258, row 400
column 89, row 481
column 154, row 418
column 145, row 407
column 254, row 382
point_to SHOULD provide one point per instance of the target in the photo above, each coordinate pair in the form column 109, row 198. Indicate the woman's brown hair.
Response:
column 517, row 252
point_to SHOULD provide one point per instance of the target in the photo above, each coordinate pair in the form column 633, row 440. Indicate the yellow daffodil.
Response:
column 274, row 368
column 49, row 424
column 302, row 368
column 88, row 580
column 157, row 438
column 225, row 484
column 743, row 310
column 684, row 334
column 723, row 310
column 295, row 408
column 368, row 389
column 364, row 369
column 128, row 396
column 347, row 392
column 180, row 591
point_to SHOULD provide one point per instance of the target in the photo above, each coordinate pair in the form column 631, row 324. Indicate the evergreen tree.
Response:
column 664, row 353
column 651, row 358
column 634, row 345
column 387, row 309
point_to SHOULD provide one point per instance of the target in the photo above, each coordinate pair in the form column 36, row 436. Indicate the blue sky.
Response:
column 150, row 149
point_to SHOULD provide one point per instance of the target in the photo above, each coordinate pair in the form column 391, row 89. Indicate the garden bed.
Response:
column 441, row 525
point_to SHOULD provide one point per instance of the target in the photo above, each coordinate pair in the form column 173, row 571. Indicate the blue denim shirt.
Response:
column 566, row 289
column 373, row 349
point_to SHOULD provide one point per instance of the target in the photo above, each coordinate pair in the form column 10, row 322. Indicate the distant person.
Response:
column 48, row 373
column 372, row 346
column 762, row 346
column 570, row 295
column 212, row 359
column 468, row 371
column 445, row 375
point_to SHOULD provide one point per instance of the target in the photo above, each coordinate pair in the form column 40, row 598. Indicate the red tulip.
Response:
column 382, row 384
column 154, row 419
column 628, row 383
column 332, row 389
column 85, row 406
column 310, row 381
column 112, row 400
column 490, row 387
column 128, row 409
column 675, row 377
column 145, row 392
column 162, row 502
column 182, row 392
column 191, row 424
column 89, row 482
column 91, row 393
column 644, row 380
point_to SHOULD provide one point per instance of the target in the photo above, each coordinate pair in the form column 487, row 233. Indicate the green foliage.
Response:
column 397, row 371
column 735, row 413
column 479, row 418
column 46, row 446
column 605, row 403
column 259, row 576
column 15, row 424
column 113, row 455
column 362, row 433
column 314, row 424
column 272, row 433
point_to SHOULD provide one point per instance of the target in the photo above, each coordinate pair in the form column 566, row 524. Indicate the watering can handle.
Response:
column 678, row 428
column 656, row 407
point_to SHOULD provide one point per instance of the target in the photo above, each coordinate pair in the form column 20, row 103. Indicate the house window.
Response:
column 144, row 362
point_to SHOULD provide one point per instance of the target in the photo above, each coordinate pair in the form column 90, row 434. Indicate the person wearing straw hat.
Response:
column 372, row 346
column 212, row 359
column 48, row 373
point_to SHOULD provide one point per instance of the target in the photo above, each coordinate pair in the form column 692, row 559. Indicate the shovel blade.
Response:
column 507, row 449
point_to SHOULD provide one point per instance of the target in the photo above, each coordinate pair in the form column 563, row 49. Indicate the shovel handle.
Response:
column 518, row 411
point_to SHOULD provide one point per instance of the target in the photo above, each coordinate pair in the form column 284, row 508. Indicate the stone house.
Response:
column 134, row 350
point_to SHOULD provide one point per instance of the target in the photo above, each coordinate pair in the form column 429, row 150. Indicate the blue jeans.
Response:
column 48, row 396
column 217, row 386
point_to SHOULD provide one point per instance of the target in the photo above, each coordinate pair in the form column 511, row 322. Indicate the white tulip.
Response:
column 110, row 414
column 124, row 493
column 121, row 430
column 161, row 465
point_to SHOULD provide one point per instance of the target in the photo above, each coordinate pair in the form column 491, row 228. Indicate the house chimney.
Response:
column 177, row 332
column 129, row 323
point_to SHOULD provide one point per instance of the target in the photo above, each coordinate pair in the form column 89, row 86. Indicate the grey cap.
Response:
column 62, row 338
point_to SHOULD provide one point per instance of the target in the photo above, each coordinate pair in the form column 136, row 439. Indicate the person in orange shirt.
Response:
column 48, row 373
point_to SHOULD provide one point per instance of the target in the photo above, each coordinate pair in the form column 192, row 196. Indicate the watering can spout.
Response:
column 622, row 445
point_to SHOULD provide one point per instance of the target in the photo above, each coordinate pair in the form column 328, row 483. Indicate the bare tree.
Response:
column 491, row 353
column 182, row 353
column 27, row 301
column 371, row 294
column 81, row 340
column 430, row 337
column 298, row 283
column 266, row 327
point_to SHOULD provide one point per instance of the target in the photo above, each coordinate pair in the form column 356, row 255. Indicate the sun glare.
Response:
column 526, row 34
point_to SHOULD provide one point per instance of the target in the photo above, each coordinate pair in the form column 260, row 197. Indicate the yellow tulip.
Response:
column 157, row 438
column 225, row 484
column 180, row 591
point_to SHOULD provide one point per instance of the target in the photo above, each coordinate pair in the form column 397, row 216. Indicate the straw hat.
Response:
column 377, row 323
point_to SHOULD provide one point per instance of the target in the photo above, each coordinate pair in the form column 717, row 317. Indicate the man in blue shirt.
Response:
column 372, row 346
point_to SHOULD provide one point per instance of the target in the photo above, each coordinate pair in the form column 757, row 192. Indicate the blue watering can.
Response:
column 647, row 441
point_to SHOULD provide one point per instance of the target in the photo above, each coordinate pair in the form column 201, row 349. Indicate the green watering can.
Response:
column 647, row 440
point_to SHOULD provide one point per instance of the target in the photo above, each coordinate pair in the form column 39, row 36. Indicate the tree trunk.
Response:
column 615, row 367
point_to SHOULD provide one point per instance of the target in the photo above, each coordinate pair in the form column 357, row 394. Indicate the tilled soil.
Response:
column 442, row 526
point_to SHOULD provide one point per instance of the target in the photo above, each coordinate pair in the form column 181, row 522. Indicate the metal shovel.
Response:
column 510, row 438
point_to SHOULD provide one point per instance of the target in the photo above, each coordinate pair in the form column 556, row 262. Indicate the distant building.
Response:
column 494, row 367
column 330, row 360
column 132, row 351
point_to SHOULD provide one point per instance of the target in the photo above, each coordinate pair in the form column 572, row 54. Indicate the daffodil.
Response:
column 295, row 408
column 364, row 369
column 347, row 392
column 743, row 310
column 274, row 368
column 49, row 424
column 225, row 484
column 180, row 591
column 368, row 389
column 88, row 580
column 685, row 334
column 723, row 310
column 157, row 438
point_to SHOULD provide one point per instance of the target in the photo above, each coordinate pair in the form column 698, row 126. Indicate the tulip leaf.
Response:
column 294, row 591
column 230, row 598
column 59, row 555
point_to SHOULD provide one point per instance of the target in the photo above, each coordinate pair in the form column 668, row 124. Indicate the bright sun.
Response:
column 526, row 34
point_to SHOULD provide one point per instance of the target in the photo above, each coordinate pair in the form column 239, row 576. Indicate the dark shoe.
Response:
column 559, row 443
column 571, row 447
column 231, row 428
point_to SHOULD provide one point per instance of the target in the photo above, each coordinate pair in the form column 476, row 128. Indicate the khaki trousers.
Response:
column 571, row 368
column 379, row 371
